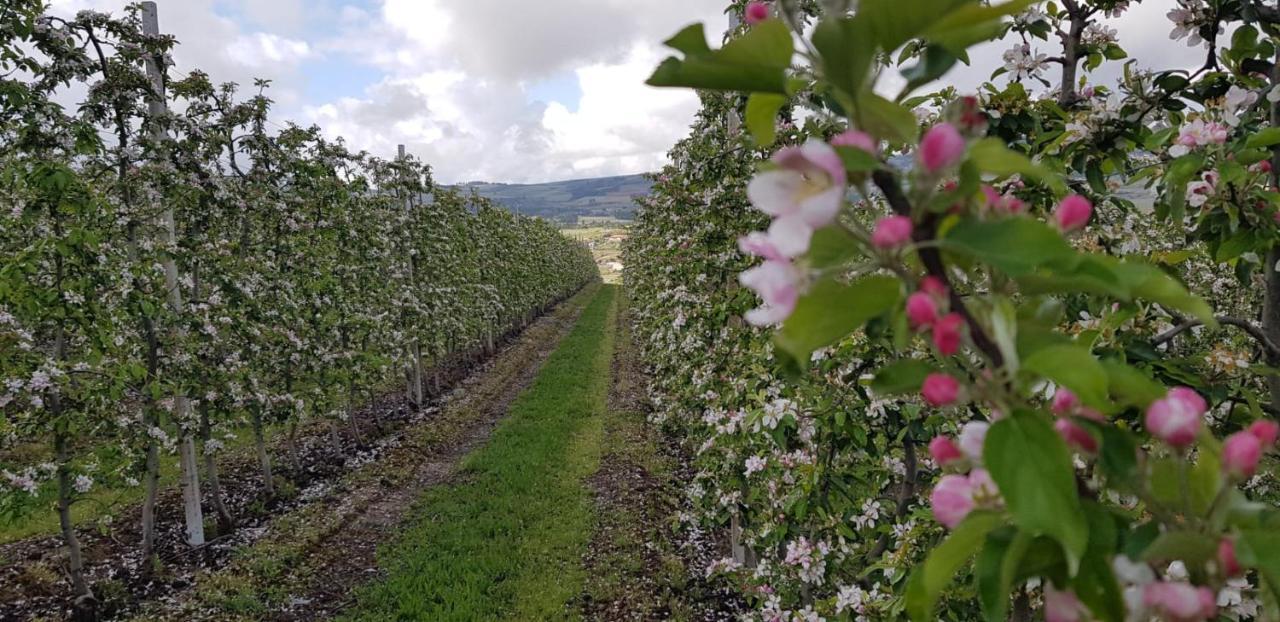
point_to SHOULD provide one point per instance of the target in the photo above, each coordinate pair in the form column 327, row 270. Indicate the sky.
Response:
column 498, row 90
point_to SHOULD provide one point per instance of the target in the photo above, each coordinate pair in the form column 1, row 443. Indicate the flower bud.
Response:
column 1073, row 213
column 933, row 286
column 946, row 333
column 972, row 438
column 1240, row 454
column 941, row 148
column 1266, row 431
column 1227, row 558
column 1076, row 436
column 922, row 310
column 1180, row 602
column 757, row 12
column 1064, row 401
column 940, row 390
column 944, row 450
column 1177, row 417
column 1062, row 606
column 892, row 232
column 952, row 500
column 855, row 139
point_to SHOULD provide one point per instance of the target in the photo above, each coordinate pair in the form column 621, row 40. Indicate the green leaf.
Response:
column 1075, row 368
column 1016, row 245
column 1153, row 284
column 1265, row 137
column 972, row 23
column 901, row 377
column 846, row 48
column 1187, row 546
column 831, row 246
column 754, row 62
column 857, row 160
column 937, row 572
column 936, row 62
column 831, row 310
column 1118, row 455
column 996, row 569
column 990, row 155
column 762, row 116
column 1130, row 386
column 1260, row 549
column 1095, row 584
column 887, row 120
column 1040, row 492
column 893, row 22
column 1205, row 478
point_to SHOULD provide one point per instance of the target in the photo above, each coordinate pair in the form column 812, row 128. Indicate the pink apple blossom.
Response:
column 1076, row 436
column 1240, row 454
column 933, row 286
column 1177, row 417
column 1179, row 602
column 947, row 333
column 944, row 450
column 808, row 185
column 778, row 285
column 972, row 438
column 952, row 499
column 892, row 232
column 857, row 139
column 757, row 12
column 1062, row 606
column 1073, row 213
column 1227, row 561
column 922, row 310
column 1064, row 401
column 1266, row 431
column 941, row 148
column 940, row 389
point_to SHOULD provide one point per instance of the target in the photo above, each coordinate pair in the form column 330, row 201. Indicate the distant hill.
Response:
column 565, row 201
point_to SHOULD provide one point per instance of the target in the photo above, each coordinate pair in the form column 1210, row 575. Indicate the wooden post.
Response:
column 415, row 346
column 156, row 107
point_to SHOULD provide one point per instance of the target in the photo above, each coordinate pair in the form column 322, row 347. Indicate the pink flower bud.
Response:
column 944, row 450
column 1062, row 606
column 1073, row 213
column 922, row 310
column 1064, row 401
column 952, row 500
column 940, row 390
column 1076, row 436
column 892, row 232
column 757, row 12
column 1179, row 602
column 941, row 147
column 933, row 286
column 856, row 139
column 1240, row 454
column 1266, row 431
column 1177, row 417
column 946, row 333
column 1227, row 558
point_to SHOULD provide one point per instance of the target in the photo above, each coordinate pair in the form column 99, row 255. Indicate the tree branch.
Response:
column 1272, row 350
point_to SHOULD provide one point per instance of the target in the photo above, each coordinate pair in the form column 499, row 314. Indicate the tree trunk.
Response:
column 151, row 490
column 264, row 459
column 1071, row 61
column 334, row 438
column 1271, row 303
column 191, row 508
column 84, row 600
column 292, row 442
column 352, row 422
column 226, row 523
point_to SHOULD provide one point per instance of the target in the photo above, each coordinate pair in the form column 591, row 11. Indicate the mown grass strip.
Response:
column 506, row 540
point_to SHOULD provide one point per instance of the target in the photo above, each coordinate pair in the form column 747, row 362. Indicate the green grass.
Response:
column 505, row 541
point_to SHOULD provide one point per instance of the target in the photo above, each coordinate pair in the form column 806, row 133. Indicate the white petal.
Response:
column 774, row 192
column 820, row 209
column 790, row 235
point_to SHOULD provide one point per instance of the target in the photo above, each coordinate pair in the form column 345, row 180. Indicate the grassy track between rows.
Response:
column 505, row 540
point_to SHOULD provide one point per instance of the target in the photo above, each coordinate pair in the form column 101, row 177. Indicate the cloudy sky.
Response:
column 494, row 90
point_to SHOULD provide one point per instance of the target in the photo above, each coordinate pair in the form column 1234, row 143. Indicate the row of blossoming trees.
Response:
column 173, row 271
column 996, row 356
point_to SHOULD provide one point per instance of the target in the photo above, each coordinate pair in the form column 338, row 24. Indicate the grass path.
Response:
column 505, row 539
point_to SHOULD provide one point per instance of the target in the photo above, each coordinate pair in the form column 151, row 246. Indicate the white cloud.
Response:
column 261, row 49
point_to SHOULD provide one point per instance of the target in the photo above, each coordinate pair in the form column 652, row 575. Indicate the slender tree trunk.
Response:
column 335, row 438
column 1071, row 58
column 85, row 602
column 226, row 523
column 352, row 422
column 264, row 458
column 191, row 507
column 1271, row 303
column 151, row 490
column 292, row 443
